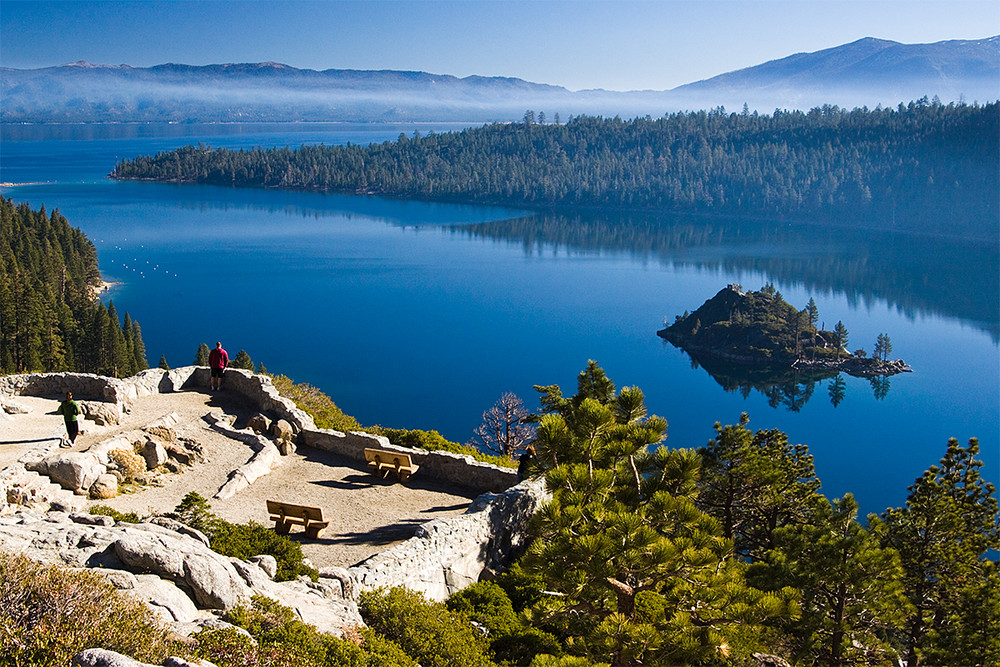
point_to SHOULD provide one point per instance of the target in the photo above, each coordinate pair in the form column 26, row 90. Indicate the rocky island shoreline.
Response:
column 759, row 328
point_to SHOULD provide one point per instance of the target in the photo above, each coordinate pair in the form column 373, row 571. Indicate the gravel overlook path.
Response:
column 367, row 515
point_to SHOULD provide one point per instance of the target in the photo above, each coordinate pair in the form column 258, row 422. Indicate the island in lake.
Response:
column 762, row 329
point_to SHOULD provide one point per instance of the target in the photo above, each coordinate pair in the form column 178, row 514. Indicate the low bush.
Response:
column 278, row 638
column 316, row 404
column 243, row 540
column 126, row 517
column 48, row 614
column 434, row 441
column 512, row 641
column 427, row 631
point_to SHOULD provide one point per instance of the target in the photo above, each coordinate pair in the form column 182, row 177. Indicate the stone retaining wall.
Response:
column 459, row 469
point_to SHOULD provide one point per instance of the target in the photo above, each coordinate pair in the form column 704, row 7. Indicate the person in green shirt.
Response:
column 70, row 410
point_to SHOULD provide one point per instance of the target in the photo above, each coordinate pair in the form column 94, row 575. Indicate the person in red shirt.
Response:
column 218, row 359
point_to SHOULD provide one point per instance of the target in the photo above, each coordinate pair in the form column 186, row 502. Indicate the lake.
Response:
column 421, row 315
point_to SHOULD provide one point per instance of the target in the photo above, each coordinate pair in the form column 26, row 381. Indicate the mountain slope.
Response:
column 867, row 72
column 868, row 69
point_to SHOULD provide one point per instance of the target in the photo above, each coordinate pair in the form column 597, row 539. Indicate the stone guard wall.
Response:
column 459, row 469
column 445, row 555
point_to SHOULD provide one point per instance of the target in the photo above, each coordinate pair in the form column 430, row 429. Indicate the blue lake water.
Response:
column 420, row 315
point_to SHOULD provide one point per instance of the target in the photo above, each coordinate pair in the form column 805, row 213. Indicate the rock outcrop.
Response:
column 174, row 572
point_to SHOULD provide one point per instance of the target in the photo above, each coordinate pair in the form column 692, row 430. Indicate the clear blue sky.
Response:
column 617, row 45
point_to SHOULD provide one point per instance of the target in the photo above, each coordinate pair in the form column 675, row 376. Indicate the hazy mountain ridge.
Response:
column 866, row 72
column 953, row 70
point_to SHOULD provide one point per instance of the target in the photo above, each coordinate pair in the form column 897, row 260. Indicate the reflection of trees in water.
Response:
column 880, row 386
column 783, row 387
column 837, row 390
column 917, row 275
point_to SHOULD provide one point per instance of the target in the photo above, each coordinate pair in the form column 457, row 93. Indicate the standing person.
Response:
column 218, row 359
column 70, row 410
column 524, row 463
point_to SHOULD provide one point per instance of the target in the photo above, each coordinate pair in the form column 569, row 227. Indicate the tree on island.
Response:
column 840, row 337
column 883, row 347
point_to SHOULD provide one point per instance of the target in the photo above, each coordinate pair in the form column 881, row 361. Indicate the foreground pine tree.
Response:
column 633, row 570
column 944, row 533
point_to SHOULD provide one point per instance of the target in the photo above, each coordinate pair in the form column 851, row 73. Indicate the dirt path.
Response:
column 366, row 514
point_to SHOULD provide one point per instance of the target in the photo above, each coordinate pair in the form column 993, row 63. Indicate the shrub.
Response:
column 243, row 540
column 126, row 517
column 434, row 441
column 48, row 614
column 280, row 638
column 488, row 605
column 318, row 405
column 131, row 464
column 512, row 641
column 427, row 631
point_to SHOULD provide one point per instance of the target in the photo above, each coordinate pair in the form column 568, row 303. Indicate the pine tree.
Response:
column 755, row 483
column 943, row 533
column 201, row 358
column 163, row 363
column 852, row 591
column 840, row 337
column 134, row 333
column 242, row 360
column 636, row 571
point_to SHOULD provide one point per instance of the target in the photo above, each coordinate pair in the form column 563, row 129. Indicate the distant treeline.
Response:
column 50, row 319
column 921, row 167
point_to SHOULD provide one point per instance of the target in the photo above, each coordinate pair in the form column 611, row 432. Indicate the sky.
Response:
column 579, row 44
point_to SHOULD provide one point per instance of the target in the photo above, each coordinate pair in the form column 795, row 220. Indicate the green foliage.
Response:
column 279, row 638
column 318, row 405
column 163, row 363
column 512, row 641
column 636, row 572
column 126, row 517
column 243, row 540
column 756, row 326
column 50, row 318
column 242, row 360
column 852, row 591
column 487, row 604
column 883, row 347
column 48, row 614
column 434, row 441
column 754, row 483
column 201, row 356
column 944, row 533
column 923, row 166
column 427, row 631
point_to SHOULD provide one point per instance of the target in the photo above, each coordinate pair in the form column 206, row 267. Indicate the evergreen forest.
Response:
column 50, row 318
column 924, row 167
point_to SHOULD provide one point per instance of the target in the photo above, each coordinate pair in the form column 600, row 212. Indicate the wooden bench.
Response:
column 284, row 515
column 382, row 462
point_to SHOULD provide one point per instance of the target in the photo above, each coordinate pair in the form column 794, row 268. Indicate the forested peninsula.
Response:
column 50, row 317
column 923, row 167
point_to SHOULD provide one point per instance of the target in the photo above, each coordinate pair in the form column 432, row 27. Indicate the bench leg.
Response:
column 282, row 527
column 314, row 531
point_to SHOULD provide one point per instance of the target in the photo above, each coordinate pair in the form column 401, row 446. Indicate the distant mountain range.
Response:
column 867, row 72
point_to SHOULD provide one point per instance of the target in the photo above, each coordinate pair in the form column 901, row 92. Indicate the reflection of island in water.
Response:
column 919, row 275
column 783, row 387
